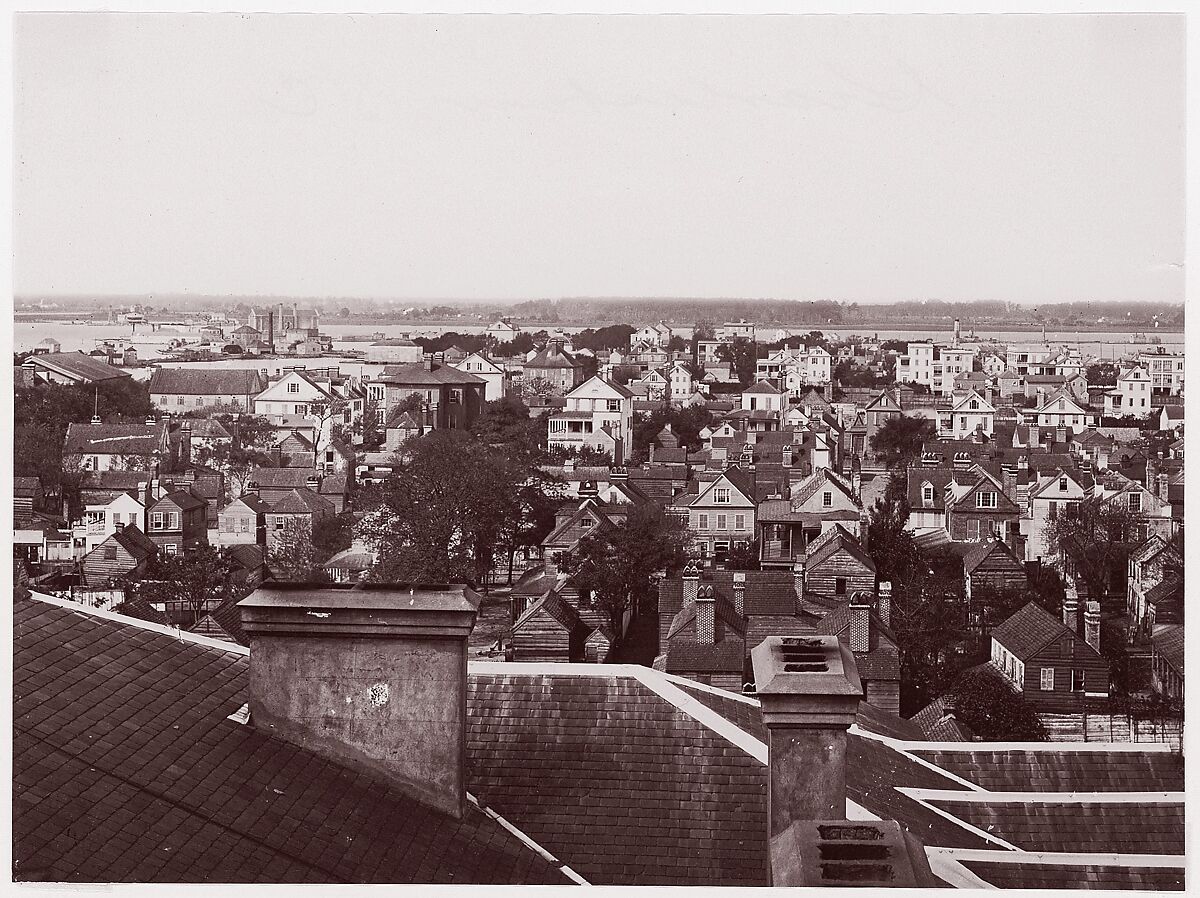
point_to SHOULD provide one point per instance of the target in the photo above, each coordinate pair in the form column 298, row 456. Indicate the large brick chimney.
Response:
column 374, row 676
column 809, row 690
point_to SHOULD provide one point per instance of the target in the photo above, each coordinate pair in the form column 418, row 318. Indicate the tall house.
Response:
column 1166, row 372
column 598, row 415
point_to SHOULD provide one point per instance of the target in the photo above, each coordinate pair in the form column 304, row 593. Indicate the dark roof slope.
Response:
column 302, row 501
column 77, row 364
column 1029, row 631
column 1047, row 769
column 132, row 773
column 206, row 381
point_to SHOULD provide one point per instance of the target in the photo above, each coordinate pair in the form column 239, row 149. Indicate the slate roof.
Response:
column 1030, row 630
column 767, row 592
column 247, row 556
column 1017, row 875
column 181, row 498
column 206, row 381
column 727, row 656
column 1047, row 769
column 1142, row 827
column 414, row 373
column 115, row 439
column 77, row 365
column 302, row 501
column 938, row 722
column 881, row 661
column 127, row 770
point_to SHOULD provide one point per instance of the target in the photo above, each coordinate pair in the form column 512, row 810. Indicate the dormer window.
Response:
column 927, row 493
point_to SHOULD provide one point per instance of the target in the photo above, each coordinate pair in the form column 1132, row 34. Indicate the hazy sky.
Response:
column 1027, row 158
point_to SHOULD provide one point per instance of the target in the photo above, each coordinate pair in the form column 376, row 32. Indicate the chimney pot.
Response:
column 860, row 622
column 706, row 614
column 1091, row 625
column 884, row 604
column 374, row 677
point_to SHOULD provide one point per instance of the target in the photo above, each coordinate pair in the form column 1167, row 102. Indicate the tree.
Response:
column 613, row 568
column 1094, row 536
column 899, row 441
column 368, row 428
column 325, row 414
column 198, row 581
column 506, row 424
column 742, row 356
column 292, row 554
column 686, row 423
column 250, row 437
column 451, row 506
column 927, row 615
column 704, row 329
column 1102, row 374
column 743, row 558
column 537, row 388
column 992, row 710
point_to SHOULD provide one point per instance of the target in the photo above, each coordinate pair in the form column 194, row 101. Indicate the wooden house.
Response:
column 865, row 631
column 1167, row 661
column 789, row 527
column 836, row 565
column 298, row 511
column 27, row 498
column 124, row 555
column 1047, row 661
column 707, row 640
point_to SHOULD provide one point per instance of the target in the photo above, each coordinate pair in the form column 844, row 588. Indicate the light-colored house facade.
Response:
column 481, row 366
column 597, row 414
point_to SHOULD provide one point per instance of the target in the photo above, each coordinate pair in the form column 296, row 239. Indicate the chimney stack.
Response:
column 706, row 616
column 739, row 593
column 798, row 578
column 883, row 606
column 1151, row 478
column 372, row 676
column 691, row 582
column 860, row 622
column 1071, row 610
column 1091, row 625
column 1162, row 488
column 809, row 690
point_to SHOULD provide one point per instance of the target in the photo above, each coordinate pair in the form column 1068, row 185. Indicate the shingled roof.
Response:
column 76, row 365
column 1030, row 630
column 302, row 501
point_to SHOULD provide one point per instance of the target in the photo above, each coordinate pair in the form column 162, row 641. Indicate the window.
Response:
column 721, row 496
column 1135, row 501
column 703, row 522
column 827, row 500
column 1077, row 680
column 839, row 586
column 244, row 524
column 110, row 553
column 1047, row 679
column 1067, row 648
column 614, row 405
column 157, row 520
column 739, row 522
column 293, row 388
column 985, row 499
column 1062, row 484
column 973, row 530
column 171, row 549
column 962, row 422
column 301, row 409
column 179, row 400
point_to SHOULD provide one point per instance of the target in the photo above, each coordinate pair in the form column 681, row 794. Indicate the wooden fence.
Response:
column 1089, row 727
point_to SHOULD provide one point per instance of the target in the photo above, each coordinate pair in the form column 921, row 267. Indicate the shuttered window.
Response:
column 1047, row 679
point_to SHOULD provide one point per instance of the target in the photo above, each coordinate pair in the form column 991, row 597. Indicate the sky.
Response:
column 861, row 158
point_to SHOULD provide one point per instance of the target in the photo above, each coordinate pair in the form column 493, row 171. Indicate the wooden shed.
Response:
column 550, row 630
column 837, row 565
column 126, row 553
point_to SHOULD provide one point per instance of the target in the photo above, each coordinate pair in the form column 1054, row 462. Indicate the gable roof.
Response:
column 130, row 438
column 982, row 551
column 183, row 499
column 206, row 381
column 831, row 541
column 816, row 482
column 133, row 541
column 1031, row 629
column 302, row 500
column 416, row 374
column 76, row 365
column 881, row 661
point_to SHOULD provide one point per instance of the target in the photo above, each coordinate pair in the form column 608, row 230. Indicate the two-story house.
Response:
column 1050, row 495
column 721, row 513
column 243, row 522
column 555, row 366
column 598, row 414
column 968, row 414
column 178, row 522
column 177, row 390
column 1166, row 371
column 978, row 509
column 294, row 516
column 682, row 384
column 479, row 365
column 1060, row 409
column 445, row 397
column 762, row 396
column 104, row 518
column 130, row 446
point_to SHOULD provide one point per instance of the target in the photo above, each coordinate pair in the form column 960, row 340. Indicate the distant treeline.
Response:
column 599, row 311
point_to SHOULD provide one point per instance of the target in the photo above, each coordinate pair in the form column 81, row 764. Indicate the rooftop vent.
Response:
column 841, row 853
